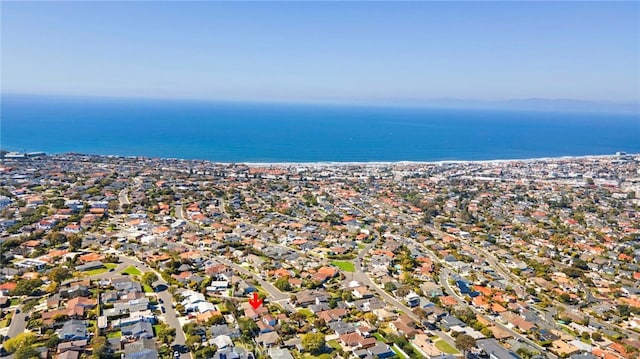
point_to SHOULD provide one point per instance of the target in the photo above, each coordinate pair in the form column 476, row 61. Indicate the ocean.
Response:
column 253, row 132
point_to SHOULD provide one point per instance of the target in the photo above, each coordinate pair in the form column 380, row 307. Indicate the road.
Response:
column 180, row 212
column 171, row 317
column 445, row 274
column 275, row 295
column 18, row 323
column 123, row 197
column 518, row 286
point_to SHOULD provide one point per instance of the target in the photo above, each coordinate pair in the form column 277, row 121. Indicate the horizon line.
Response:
column 387, row 101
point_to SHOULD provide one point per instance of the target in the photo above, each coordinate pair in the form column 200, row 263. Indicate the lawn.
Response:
column 147, row 288
column 111, row 265
column 379, row 337
column 445, row 347
column 345, row 266
column 155, row 329
column 15, row 301
column 131, row 270
column 334, row 344
column 306, row 312
column 116, row 334
column 96, row 271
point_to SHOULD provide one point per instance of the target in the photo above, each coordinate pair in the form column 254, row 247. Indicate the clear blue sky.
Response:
column 337, row 51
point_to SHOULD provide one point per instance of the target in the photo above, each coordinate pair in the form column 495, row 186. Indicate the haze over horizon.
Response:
column 346, row 52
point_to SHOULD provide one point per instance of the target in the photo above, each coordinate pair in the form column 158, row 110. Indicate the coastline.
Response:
column 320, row 164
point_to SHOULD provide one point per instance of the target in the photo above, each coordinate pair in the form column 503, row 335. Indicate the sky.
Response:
column 323, row 51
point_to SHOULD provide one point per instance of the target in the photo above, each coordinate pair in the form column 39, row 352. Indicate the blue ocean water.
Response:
column 250, row 132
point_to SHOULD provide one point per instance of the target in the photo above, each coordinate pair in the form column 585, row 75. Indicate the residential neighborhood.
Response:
column 134, row 257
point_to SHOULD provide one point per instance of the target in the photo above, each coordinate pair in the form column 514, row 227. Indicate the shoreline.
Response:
column 353, row 163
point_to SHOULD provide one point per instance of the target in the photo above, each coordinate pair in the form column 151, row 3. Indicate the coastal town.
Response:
column 144, row 258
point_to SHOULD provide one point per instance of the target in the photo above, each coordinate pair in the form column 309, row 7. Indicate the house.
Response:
column 268, row 339
column 222, row 341
column 69, row 354
column 141, row 349
column 494, row 349
column 73, row 330
column 75, row 290
column 280, row 353
column 8, row 287
column 381, row 350
column 232, row 353
column 332, row 315
column 449, row 321
column 74, row 345
column 361, row 293
column 138, row 330
column 425, row 346
column 89, row 266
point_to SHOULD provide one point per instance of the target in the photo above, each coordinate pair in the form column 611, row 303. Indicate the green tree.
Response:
column 248, row 328
column 596, row 336
column 313, row 342
column 99, row 345
column 206, row 352
column 465, row 342
column 59, row 274
column 165, row 333
column 52, row 342
column 148, row 278
column 282, row 284
column 390, row 287
column 75, row 242
column 193, row 342
column 217, row 319
column 26, row 352
column 27, row 287
column 19, row 341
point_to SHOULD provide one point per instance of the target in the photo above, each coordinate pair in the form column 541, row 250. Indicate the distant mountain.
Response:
column 530, row 104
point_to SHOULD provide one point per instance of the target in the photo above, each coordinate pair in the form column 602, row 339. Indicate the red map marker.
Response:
column 255, row 301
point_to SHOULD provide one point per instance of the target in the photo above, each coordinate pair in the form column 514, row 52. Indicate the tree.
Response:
column 283, row 284
column 75, row 242
column 371, row 318
column 390, row 287
column 248, row 328
column 217, row 319
column 333, row 303
column 193, row 342
column 165, row 333
column 206, row 352
column 59, row 274
column 465, row 342
column 26, row 352
column 99, row 345
column 148, row 278
column 19, row 341
column 313, row 342
column 420, row 313
column 52, row 342
column 27, row 287
column 596, row 336
column 524, row 353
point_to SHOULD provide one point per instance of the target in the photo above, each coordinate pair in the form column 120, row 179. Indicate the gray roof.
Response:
column 494, row 349
column 379, row 348
column 140, row 329
column 279, row 353
column 73, row 329
column 141, row 349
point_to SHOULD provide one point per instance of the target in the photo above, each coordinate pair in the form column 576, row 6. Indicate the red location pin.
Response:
column 255, row 301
